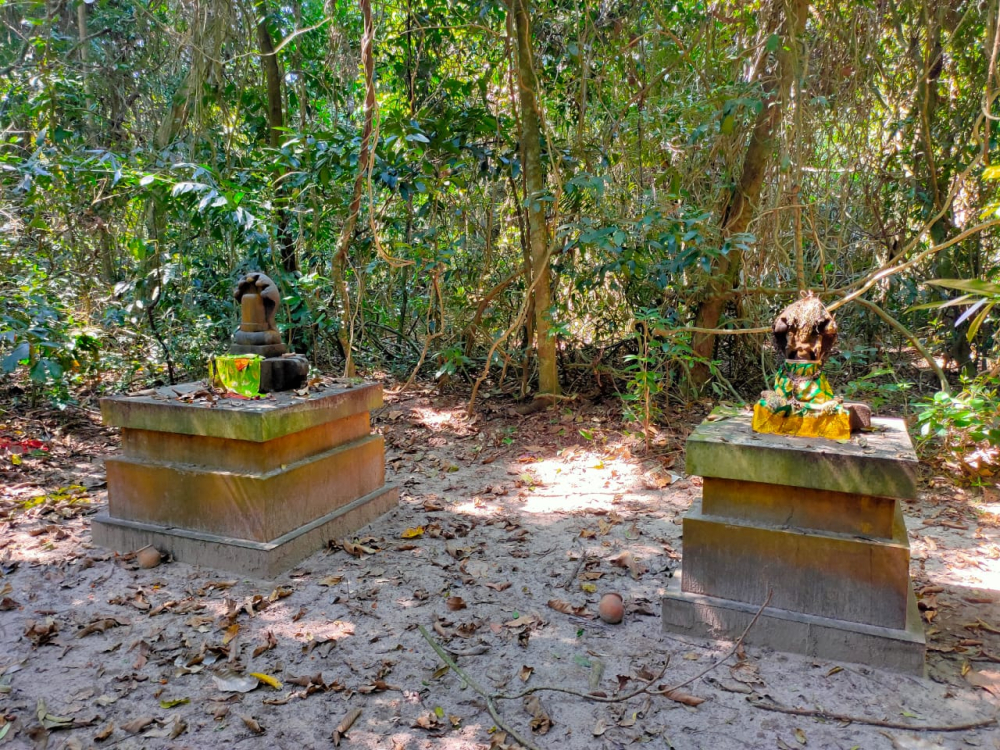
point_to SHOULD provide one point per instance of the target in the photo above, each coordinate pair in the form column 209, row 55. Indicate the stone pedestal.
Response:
column 248, row 486
column 816, row 522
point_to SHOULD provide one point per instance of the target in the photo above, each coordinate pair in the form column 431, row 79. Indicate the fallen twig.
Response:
column 768, row 704
column 733, row 650
column 589, row 696
column 576, row 570
column 648, row 685
column 491, row 697
column 477, row 687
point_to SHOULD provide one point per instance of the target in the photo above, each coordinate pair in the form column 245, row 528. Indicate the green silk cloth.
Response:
column 238, row 373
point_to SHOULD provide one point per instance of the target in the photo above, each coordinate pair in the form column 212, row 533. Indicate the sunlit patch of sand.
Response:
column 439, row 419
column 306, row 629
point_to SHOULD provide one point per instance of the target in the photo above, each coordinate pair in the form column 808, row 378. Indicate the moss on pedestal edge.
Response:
column 256, row 421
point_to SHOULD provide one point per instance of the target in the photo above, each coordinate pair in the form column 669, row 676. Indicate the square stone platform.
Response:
column 252, row 486
column 817, row 523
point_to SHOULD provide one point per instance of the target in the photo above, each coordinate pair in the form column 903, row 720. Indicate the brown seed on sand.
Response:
column 148, row 557
column 611, row 608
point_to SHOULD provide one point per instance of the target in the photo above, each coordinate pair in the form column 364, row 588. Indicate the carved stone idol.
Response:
column 259, row 298
column 802, row 402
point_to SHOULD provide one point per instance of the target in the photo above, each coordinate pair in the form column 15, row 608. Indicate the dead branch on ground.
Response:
column 768, row 704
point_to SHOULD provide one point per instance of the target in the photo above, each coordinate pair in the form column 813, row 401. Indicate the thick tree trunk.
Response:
column 344, row 335
column 531, row 159
column 740, row 205
column 276, row 121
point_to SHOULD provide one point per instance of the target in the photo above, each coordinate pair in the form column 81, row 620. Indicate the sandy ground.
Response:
column 495, row 516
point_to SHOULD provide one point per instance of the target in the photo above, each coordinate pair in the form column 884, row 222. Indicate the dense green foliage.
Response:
column 140, row 176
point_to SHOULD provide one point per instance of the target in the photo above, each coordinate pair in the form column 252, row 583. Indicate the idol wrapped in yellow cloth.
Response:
column 802, row 403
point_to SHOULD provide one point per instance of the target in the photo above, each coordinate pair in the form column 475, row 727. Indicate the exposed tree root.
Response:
column 770, row 705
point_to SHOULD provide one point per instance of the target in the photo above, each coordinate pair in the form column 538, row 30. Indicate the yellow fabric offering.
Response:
column 802, row 404
column 832, row 426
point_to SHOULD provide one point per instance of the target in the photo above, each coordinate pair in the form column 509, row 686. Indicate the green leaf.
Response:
column 975, row 324
column 966, row 299
column 974, row 286
column 174, row 703
column 20, row 354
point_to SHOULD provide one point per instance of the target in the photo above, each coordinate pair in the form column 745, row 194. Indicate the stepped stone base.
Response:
column 248, row 486
column 896, row 649
column 815, row 522
column 262, row 560
column 831, row 575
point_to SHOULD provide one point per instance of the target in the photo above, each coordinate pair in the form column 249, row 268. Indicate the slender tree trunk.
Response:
column 742, row 200
column 344, row 335
column 531, row 159
column 81, row 24
column 276, row 121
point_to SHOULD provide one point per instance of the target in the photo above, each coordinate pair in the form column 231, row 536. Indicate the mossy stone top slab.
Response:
column 880, row 463
column 171, row 409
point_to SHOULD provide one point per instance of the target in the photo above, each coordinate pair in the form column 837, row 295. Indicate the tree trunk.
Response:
column 742, row 200
column 364, row 159
column 531, row 159
column 81, row 23
column 276, row 121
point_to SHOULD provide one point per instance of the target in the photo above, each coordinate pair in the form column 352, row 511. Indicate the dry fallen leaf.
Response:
column 344, row 726
column 568, row 609
column 729, row 686
column 231, row 632
column 541, row 722
column 269, row 642
column 521, row 621
column 356, row 549
column 747, row 672
column 456, row 603
column 40, row 633
column 235, row 683
column 456, row 550
column 428, row 721
column 101, row 625
column 252, row 724
column 987, row 679
column 177, row 729
column 378, row 686
column 627, row 560
column 525, row 673
column 681, row 697
column 137, row 725
column 173, row 731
